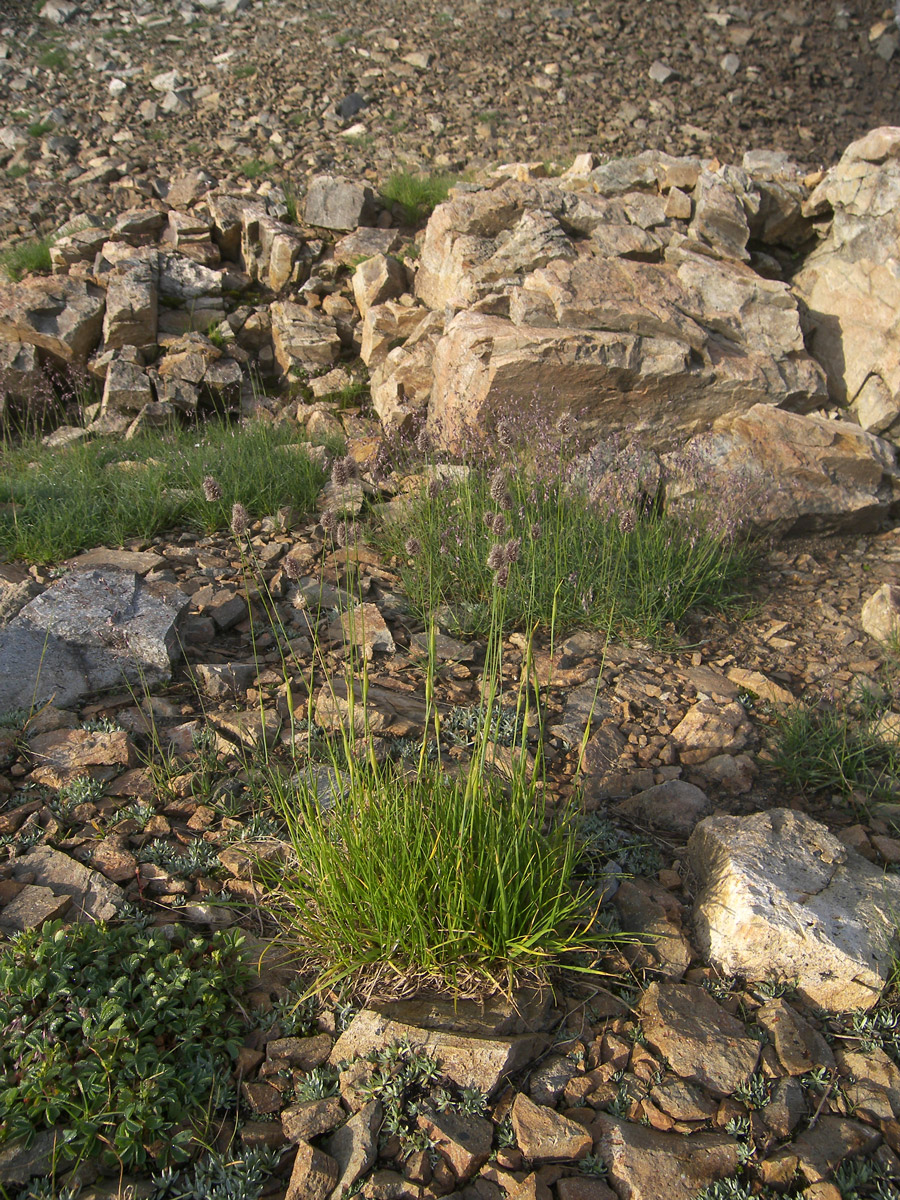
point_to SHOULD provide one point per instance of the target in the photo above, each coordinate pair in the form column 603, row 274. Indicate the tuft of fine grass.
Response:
column 426, row 876
column 846, row 749
column 416, row 195
column 102, row 493
column 632, row 571
column 26, row 258
column 253, row 168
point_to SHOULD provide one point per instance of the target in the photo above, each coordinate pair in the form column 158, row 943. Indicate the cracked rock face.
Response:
column 781, row 898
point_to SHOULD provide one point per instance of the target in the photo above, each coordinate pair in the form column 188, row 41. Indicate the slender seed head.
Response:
column 240, row 520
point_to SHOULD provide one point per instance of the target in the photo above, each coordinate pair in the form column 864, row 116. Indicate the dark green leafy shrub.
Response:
column 121, row 1038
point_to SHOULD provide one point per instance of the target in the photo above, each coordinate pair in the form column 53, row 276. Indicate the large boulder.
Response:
column 132, row 303
column 780, row 898
column 632, row 306
column 800, row 474
column 60, row 315
column 90, row 630
column 851, row 285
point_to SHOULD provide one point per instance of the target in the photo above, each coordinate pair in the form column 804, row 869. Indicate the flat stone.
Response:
column 544, row 1135
column 800, row 1047
column 781, row 898
column 65, row 754
column 61, row 315
column 333, row 202
column 32, row 907
column 462, row 1139
column 304, row 1053
column 644, row 1164
column 312, row 1118
column 672, row 807
column 468, row 1061
column 820, row 1149
column 19, row 1163
column 93, row 898
column 711, row 729
column 702, row 1042
column 87, row 632
column 880, row 617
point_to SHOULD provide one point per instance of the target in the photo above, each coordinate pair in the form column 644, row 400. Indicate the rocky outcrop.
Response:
column 850, row 285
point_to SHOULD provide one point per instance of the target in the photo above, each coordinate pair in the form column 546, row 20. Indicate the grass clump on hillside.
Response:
column 122, row 1039
column 849, row 748
column 54, row 505
column 417, row 196
column 26, row 258
column 596, row 548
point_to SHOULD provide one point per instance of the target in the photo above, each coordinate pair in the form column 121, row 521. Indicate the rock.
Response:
column 761, row 686
column 131, row 304
column 871, row 1083
column 19, row 1163
column 20, row 372
column 709, row 729
column 272, row 252
column 651, row 912
column 312, row 1118
column 399, row 713
column 468, row 1061
column 462, row 1139
column 800, row 1047
column 304, row 340
column 65, row 754
column 401, row 384
column 32, row 907
column 60, row 315
column 880, row 617
column 701, row 1041
column 333, row 202
column 126, row 388
column 643, row 1164
column 314, row 1174
column 92, row 897
column 304, row 1053
column 387, row 326
column 545, row 1136
column 833, row 476
column 355, row 1145
column 849, row 284
column 820, row 1149
column 672, row 807
column 781, row 898
column 87, row 632
column 376, row 280
column 365, row 628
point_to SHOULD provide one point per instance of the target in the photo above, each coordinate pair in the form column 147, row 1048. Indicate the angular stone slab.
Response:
column 85, row 633
column 781, row 898
column 93, row 897
column 469, row 1061
column 61, row 315
column 643, row 1164
column 805, row 474
column 702, row 1042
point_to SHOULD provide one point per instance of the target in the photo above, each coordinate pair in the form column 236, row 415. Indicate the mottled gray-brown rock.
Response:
column 355, row 1145
column 544, row 1135
column 820, row 1149
column 333, row 202
column 469, row 1061
column 312, row 1118
column 314, row 1174
column 376, row 280
column 64, row 754
column 61, row 315
column 702, row 1042
column 93, row 898
column 804, row 473
column 32, row 907
column 849, row 283
column 303, row 339
column 132, row 303
column 644, row 1164
column 800, row 1047
column 880, row 616
column 781, row 898
column 672, row 807
column 462, row 1139
column 87, row 632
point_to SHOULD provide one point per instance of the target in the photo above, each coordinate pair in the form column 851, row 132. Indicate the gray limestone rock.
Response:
column 60, row 315
column 333, row 202
column 781, row 898
column 87, row 632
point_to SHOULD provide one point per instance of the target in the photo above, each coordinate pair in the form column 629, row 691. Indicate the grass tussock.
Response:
column 427, row 876
column 101, row 493
column 851, row 749
column 417, row 196
column 26, row 258
column 569, row 553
